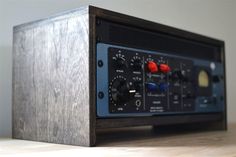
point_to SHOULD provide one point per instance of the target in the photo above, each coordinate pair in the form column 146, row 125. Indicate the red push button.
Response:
column 164, row 68
column 152, row 67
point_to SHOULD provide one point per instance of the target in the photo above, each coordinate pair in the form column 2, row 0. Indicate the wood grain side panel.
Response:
column 51, row 82
column 24, row 108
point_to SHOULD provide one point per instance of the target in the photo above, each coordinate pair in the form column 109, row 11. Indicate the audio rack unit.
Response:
column 90, row 69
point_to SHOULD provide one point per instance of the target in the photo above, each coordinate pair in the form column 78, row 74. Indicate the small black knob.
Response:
column 179, row 75
column 137, row 64
column 215, row 78
column 120, row 63
column 188, row 95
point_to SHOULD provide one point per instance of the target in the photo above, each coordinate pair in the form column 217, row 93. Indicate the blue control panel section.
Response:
column 134, row 82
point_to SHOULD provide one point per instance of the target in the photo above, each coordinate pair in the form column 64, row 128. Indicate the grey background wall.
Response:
column 215, row 18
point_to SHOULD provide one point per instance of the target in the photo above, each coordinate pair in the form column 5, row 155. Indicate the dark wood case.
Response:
column 54, row 81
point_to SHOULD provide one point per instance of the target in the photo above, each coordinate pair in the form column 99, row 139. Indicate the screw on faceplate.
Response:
column 100, row 95
column 100, row 63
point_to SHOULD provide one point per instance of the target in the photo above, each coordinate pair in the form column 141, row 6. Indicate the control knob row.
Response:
column 154, row 67
column 135, row 63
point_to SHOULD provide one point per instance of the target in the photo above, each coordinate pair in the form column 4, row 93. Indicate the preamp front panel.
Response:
column 138, row 82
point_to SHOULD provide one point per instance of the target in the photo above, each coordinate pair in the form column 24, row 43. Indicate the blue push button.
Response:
column 163, row 87
column 152, row 87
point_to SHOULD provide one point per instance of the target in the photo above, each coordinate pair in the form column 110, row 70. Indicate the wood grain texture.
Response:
column 51, row 80
column 135, row 142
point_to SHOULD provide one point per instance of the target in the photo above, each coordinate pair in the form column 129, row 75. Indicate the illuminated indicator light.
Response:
column 203, row 79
